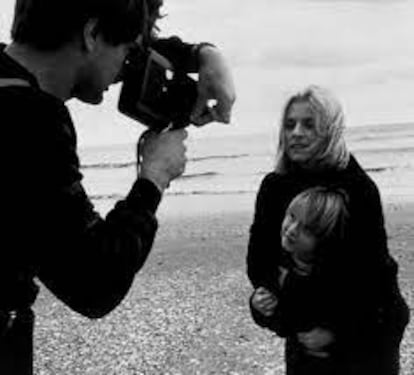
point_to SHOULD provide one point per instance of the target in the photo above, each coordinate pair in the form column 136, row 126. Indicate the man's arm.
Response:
column 87, row 261
column 215, row 83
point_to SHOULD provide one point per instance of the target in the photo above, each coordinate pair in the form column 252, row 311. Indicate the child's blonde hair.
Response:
column 325, row 214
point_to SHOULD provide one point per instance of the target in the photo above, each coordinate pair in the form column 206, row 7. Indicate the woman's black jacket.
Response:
column 363, row 278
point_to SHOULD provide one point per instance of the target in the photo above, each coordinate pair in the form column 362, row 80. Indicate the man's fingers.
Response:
column 223, row 109
column 202, row 119
column 200, row 105
column 217, row 110
column 221, row 114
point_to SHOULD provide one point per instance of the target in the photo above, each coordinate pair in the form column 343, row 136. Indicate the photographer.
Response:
column 76, row 49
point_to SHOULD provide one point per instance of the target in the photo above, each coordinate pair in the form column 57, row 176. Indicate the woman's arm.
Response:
column 263, row 255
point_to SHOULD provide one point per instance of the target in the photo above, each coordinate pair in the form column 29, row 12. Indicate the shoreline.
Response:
column 202, row 204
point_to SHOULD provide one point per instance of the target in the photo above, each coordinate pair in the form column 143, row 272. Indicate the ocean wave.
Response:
column 378, row 169
column 210, row 192
column 128, row 164
column 196, row 175
column 103, row 197
column 378, row 150
column 215, row 157
column 109, row 165
column 223, row 190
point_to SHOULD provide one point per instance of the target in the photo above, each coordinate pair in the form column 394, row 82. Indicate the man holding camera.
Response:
column 76, row 49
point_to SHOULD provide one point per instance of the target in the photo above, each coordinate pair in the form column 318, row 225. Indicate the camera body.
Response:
column 155, row 93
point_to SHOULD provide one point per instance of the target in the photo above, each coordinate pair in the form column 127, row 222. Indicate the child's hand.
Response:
column 264, row 301
column 316, row 340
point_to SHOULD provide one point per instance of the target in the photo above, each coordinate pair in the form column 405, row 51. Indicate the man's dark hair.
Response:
column 49, row 24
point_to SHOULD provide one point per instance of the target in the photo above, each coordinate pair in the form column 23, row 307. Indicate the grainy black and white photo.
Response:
column 207, row 187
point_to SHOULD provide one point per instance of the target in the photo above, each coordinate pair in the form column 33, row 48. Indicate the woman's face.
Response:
column 296, row 238
column 302, row 139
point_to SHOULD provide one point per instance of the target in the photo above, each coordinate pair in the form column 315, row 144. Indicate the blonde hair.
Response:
column 325, row 213
column 330, row 125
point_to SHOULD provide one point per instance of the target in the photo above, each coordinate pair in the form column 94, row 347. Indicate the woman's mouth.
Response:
column 298, row 146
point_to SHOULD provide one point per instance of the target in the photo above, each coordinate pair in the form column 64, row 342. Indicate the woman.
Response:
column 312, row 152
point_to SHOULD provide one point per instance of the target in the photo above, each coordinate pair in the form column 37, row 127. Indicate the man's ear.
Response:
column 90, row 33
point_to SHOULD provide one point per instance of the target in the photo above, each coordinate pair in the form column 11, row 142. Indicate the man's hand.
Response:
column 264, row 301
column 163, row 157
column 316, row 341
column 215, row 83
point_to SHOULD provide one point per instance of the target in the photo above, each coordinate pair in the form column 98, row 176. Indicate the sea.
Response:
column 236, row 164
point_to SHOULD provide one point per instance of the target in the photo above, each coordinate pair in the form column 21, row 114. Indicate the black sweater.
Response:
column 49, row 228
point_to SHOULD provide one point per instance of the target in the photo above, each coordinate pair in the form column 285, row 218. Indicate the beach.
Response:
column 187, row 312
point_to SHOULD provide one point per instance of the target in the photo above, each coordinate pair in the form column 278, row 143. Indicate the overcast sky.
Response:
column 362, row 49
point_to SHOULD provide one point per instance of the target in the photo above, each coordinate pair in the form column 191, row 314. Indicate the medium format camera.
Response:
column 155, row 93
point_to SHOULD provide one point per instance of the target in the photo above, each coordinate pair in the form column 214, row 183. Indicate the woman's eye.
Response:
column 290, row 124
column 308, row 123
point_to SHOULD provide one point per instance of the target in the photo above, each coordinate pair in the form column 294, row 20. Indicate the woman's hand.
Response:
column 316, row 341
column 264, row 301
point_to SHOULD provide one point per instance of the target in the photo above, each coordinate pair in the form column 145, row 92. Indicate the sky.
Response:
column 363, row 50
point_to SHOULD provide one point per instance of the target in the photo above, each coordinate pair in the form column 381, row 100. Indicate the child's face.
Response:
column 296, row 238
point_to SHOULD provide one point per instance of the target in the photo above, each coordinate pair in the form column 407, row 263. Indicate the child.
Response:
column 305, row 310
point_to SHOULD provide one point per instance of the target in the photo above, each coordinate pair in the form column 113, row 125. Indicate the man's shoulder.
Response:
column 20, row 93
column 26, row 99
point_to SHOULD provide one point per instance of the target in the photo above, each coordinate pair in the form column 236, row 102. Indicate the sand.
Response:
column 187, row 312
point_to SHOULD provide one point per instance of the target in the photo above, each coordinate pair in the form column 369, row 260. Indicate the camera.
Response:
column 156, row 93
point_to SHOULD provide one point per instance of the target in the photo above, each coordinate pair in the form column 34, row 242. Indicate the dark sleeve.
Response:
column 367, row 270
column 263, row 253
column 367, row 239
column 87, row 261
column 275, row 323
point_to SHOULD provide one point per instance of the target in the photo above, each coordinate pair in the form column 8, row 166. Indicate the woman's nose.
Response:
column 297, row 129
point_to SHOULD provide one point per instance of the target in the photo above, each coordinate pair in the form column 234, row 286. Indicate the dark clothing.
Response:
column 300, row 363
column 300, row 293
column 362, row 277
column 50, row 229
column 383, row 361
column 16, row 347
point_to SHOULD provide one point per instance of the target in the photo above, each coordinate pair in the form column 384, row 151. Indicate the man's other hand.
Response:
column 163, row 157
